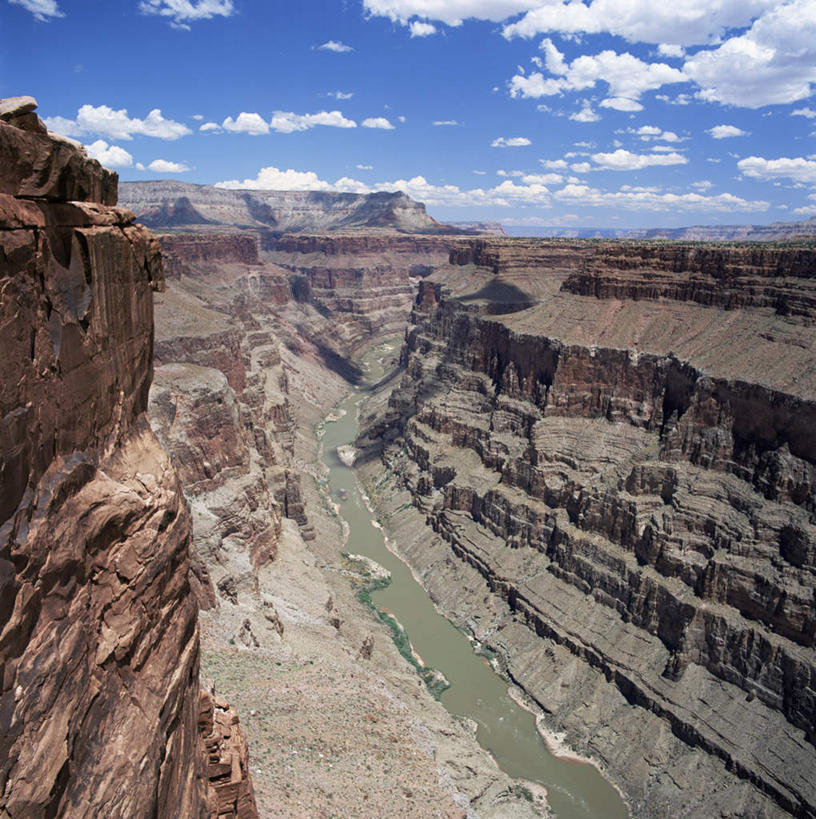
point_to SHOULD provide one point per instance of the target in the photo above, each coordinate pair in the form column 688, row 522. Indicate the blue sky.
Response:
column 619, row 113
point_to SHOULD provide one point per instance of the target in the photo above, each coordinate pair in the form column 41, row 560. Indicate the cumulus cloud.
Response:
column 809, row 113
column 377, row 122
column 286, row 122
column 106, row 121
column 452, row 12
column 420, row 29
column 364, row 167
column 622, row 160
column 336, row 46
column 682, row 22
column 725, row 131
column 182, row 12
column 340, row 95
column 510, row 142
column 165, row 166
column 445, row 122
column 246, row 123
column 627, row 76
column 210, row 126
column 111, row 156
column 649, row 199
column 43, row 10
column 651, row 133
column 671, row 50
column 778, row 54
column 797, row 168
column 532, row 190
column 621, row 104
column 586, row 114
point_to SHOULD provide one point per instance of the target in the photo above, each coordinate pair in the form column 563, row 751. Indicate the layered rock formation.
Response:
column 178, row 204
column 98, row 629
column 619, row 500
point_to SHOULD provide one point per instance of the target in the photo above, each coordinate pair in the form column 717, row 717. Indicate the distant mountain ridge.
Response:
column 699, row 233
column 179, row 205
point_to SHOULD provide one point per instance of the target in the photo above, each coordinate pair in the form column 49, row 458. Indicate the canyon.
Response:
column 601, row 462
column 598, row 458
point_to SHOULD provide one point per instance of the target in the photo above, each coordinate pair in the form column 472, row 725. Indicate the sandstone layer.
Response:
column 99, row 644
column 616, row 472
column 177, row 204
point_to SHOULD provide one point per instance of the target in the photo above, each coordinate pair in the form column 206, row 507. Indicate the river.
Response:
column 576, row 790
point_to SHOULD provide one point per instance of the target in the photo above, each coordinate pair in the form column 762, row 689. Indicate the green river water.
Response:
column 575, row 790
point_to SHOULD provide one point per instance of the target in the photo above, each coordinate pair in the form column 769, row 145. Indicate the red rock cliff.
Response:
column 99, row 707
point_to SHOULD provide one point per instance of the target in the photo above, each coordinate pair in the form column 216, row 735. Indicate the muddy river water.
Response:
column 575, row 790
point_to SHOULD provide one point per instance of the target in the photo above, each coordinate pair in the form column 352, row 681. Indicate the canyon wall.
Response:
column 170, row 204
column 622, row 504
column 99, row 640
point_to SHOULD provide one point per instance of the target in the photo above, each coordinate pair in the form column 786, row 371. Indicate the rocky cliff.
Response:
column 181, row 205
column 618, row 499
column 98, row 629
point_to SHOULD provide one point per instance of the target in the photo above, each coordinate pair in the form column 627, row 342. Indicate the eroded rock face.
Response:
column 638, row 516
column 98, row 629
column 177, row 204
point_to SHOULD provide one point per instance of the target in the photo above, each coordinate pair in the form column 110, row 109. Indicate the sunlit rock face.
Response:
column 617, row 441
column 100, row 709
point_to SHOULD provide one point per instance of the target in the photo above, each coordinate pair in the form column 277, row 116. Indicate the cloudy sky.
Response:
column 619, row 113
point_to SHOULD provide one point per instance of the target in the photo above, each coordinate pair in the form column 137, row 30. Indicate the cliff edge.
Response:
column 100, row 703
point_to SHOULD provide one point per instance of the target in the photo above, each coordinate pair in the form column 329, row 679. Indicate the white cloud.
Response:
column 340, row 95
column 165, row 166
column 681, row 22
column 140, row 167
column 510, row 142
column 649, row 133
column 796, row 168
column 648, row 199
column 106, row 121
column 210, row 126
column 420, row 29
column 364, row 167
column 621, row 104
column 554, row 164
column 774, row 62
column 183, row 12
column 377, row 122
column 480, row 173
column 246, row 123
column 336, row 46
column 622, row 160
column 580, row 167
column 702, row 185
column 586, row 114
column 286, row 122
column 445, row 122
column 804, row 112
column 671, row 50
column 452, row 12
column 542, row 179
column 198, row 117
column 43, row 10
column 533, row 191
column 111, row 156
column 725, row 131
column 627, row 76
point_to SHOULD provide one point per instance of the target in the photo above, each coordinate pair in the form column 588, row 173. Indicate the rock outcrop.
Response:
column 178, row 204
column 98, row 630
column 608, row 503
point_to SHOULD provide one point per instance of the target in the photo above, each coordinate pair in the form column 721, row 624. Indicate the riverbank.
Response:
column 334, row 732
